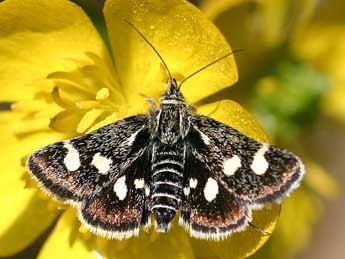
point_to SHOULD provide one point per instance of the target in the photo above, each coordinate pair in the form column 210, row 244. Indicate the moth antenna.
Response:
column 259, row 229
column 208, row 65
column 150, row 44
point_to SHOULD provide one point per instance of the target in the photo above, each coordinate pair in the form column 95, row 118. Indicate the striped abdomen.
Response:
column 167, row 175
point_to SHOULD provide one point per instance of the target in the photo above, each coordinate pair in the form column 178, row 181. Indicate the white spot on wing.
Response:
column 186, row 191
column 147, row 190
column 231, row 165
column 132, row 138
column 204, row 137
column 139, row 183
column 120, row 188
column 211, row 189
column 101, row 163
column 71, row 160
column 260, row 164
column 193, row 183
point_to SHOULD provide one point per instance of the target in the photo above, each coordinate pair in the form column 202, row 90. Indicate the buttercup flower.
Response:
column 293, row 74
column 62, row 82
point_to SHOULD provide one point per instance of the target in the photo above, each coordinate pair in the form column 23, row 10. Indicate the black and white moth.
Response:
column 158, row 163
column 163, row 161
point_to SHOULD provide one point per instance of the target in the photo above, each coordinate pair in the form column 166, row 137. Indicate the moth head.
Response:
column 173, row 94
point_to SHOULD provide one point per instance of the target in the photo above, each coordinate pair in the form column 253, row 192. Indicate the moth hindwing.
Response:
column 167, row 160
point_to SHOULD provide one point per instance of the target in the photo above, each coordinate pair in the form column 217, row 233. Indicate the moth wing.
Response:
column 227, row 174
column 120, row 207
column 209, row 209
column 72, row 169
column 256, row 173
column 102, row 174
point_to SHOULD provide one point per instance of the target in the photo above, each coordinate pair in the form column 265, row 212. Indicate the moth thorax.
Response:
column 172, row 124
column 167, row 176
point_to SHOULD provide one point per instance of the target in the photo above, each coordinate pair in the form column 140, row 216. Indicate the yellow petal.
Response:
column 7, row 118
column 174, row 244
column 66, row 121
column 26, row 216
column 88, row 120
column 68, row 240
column 139, row 108
column 110, row 119
column 38, row 37
column 63, row 242
column 303, row 208
column 102, row 94
column 181, row 34
column 241, row 244
column 234, row 115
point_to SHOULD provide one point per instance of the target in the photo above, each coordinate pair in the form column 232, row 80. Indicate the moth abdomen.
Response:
column 167, row 175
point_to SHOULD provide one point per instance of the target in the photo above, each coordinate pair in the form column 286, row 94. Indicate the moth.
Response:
column 168, row 160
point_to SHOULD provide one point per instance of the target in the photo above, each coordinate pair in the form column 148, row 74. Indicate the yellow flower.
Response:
column 294, row 60
column 61, row 80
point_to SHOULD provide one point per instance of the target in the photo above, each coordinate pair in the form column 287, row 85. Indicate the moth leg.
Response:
column 150, row 100
column 264, row 232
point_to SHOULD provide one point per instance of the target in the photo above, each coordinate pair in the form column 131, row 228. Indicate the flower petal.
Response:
column 232, row 114
column 303, row 208
column 88, row 120
column 26, row 215
column 67, row 241
column 38, row 37
column 63, row 242
column 241, row 244
column 174, row 244
column 184, row 38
